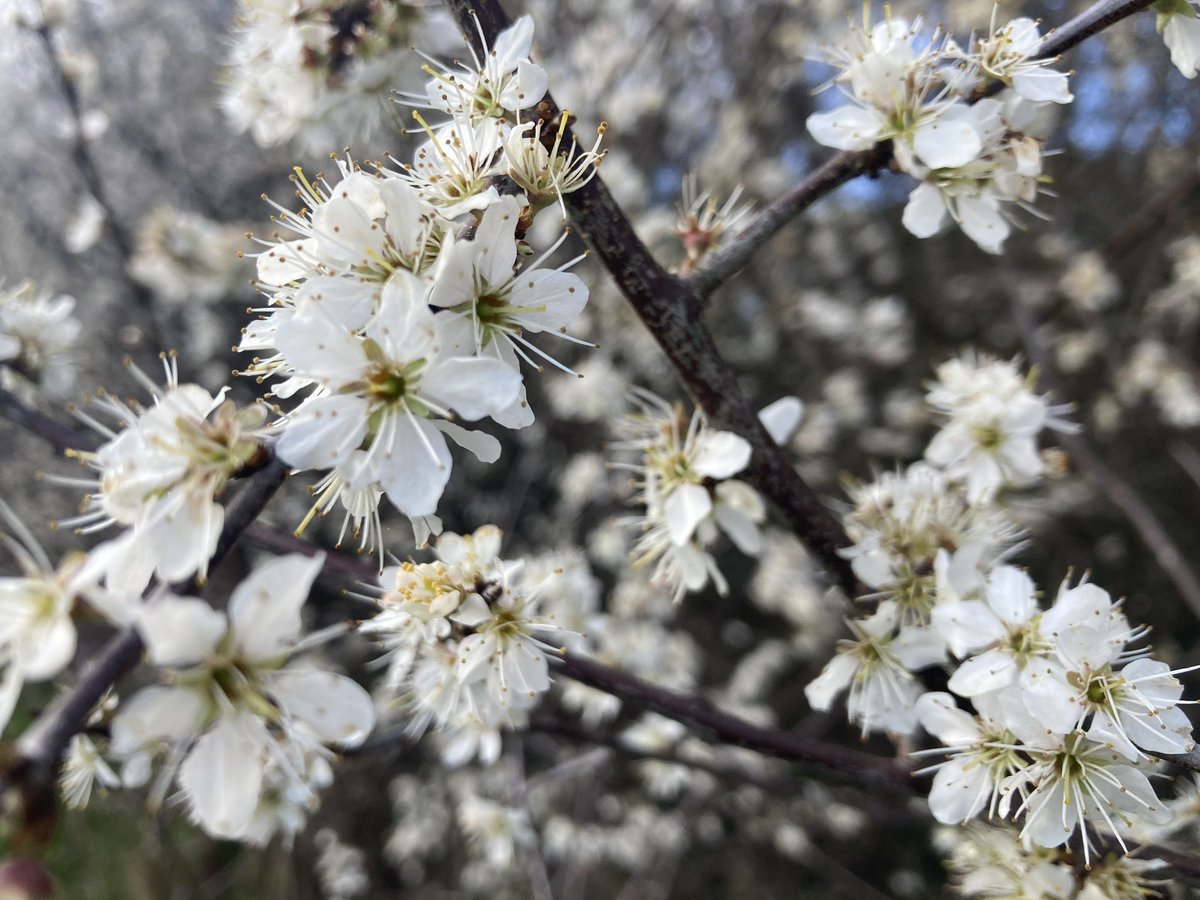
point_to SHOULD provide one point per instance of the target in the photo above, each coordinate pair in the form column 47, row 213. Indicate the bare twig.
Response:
column 846, row 165
column 730, row 729
column 729, row 774
column 86, row 164
column 61, row 437
column 840, row 168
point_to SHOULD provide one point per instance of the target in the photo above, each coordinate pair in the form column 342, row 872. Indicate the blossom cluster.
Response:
column 974, row 154
column 318, row 71
column 243, row 732
column 160, row 474
column 38, row 333
column 1052, row 715
column 686, row 486
column 467, row 639
column 407, row 301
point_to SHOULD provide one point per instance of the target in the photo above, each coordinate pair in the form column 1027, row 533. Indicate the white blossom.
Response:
column 232, row 708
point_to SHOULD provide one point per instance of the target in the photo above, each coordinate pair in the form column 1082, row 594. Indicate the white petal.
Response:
column 494, row 249
column 947, row 142
column 846, row 128
column 222, row 776
column 1042, row 86
column 323, row 432
column 485, row 447
column 412, row 479
column 918, row 648
column 741, row 529
column 527, row 88
column 960, row 790
column 513, row 44
column 781, row 418
column 834, row 679
column 472, row 387
column 982, row 223
column 318, row 346
column 179, row 631
column 264, row 609
column 184, row 539
column 336, row 709
column 685, row 508
column 156, row 714
column 720, row 454
column 941, row 717
column 345, row 232
column 1181, row 34
column 549, row 300
column 988, row 671
column 925, row 212
column 1010, row 595
column 46, row 648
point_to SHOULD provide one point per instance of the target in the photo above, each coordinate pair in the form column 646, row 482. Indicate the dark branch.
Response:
column 692, row 710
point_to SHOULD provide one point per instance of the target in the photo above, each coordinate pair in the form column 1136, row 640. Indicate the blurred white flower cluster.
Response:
column 1065, row 707
column 973, row 153
column 467, row 639
column 320, row 71
column 406, row 303
column 38, row 333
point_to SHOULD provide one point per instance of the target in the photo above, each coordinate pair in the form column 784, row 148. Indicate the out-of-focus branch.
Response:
column 576, row 733
column 86, row 164
column 1189, row 760
column 1122, row 494
column 1152, row 215
column 61, row 437
column 670, row 309
column 848, row 165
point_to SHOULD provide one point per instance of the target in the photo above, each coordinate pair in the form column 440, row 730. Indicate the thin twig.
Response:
column 847, row 165
column 692, row 710
column 86, row 164
column 729, row 774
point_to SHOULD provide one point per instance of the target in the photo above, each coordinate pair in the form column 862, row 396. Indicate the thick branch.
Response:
column 847, row 165
column 670, row 310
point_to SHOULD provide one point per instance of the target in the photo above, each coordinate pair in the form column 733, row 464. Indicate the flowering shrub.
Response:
column 402, row 303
